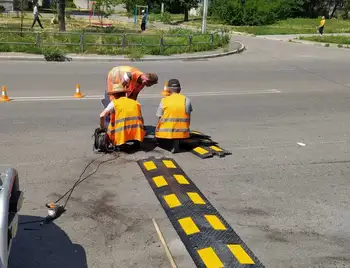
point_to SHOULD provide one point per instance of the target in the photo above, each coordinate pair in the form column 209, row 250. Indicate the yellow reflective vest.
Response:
column 175, row 123
column 126, row 123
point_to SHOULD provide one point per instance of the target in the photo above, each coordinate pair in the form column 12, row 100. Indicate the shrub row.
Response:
column 254, row 12
column 175, row 41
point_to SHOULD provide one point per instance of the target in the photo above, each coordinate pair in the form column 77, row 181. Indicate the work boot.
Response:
column 176, row 147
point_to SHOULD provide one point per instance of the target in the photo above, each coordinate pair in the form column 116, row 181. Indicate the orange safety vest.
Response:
column 115, row 76
column 175, row 123
column 126, row 123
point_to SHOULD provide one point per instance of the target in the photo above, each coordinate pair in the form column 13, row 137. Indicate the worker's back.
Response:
column 126, row 122
column 175, row 122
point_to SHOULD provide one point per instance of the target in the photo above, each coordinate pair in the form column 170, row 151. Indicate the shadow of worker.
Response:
column 44, row 246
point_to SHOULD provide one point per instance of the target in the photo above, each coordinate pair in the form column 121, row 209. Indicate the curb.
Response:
column 123, row 59
column 307, row 42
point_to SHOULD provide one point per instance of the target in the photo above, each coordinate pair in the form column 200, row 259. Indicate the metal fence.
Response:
column 82, row 40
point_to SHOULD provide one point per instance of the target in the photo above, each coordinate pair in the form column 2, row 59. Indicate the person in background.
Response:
column 143, row 21
column 321, row 26
column 36, row 15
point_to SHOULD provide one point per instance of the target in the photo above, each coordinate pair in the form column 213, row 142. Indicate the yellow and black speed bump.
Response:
column 202, row 152
column 199, row 134
column 209, row 239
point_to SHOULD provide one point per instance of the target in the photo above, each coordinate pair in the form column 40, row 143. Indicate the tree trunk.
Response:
column 61, row 15
column 185, row 13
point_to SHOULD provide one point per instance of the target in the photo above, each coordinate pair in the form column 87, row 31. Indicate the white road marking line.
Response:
column 147, row 96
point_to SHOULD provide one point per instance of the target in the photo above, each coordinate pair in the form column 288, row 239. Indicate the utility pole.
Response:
column 205, row 12
column 162, row 8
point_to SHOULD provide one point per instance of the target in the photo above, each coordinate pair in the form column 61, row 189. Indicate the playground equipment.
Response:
column 138, row 15
column 96, row 22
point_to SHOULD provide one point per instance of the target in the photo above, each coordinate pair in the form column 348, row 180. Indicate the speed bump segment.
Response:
column 209, row 239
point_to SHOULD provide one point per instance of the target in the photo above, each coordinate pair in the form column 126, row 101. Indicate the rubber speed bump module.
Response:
column 208, row 238
column 203, row 146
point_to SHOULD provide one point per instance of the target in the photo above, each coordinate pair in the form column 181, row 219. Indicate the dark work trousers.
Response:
column 320, row 29
column 143, row 26
column 36, row 19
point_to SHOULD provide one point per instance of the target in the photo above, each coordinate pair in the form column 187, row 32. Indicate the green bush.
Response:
column 174, row 41
column 53, row 54
column 253, row 12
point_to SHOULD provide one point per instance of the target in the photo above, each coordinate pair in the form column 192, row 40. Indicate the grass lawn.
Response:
column 297, row 26
column 289, row 26
column 335, row 39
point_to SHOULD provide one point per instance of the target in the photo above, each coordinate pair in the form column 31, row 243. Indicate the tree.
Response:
column 185, row 5
column 22, row 15
column 61, row 7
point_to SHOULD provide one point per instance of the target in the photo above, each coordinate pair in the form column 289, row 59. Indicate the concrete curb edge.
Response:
column 122, row 59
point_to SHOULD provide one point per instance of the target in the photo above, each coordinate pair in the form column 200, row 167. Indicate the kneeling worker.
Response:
column 174, row 113
column 126, row 121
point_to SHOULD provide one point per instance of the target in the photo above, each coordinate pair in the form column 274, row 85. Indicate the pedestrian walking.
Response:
column 143, row 21
column 36, row 15
column 321, row 26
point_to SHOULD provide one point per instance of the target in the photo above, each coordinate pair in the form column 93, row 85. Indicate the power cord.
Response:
column 61, row 209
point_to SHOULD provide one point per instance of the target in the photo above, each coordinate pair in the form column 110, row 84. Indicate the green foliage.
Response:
column 135, row 45
column 296, row 26
column 254, row 12
column 336, row 39
column 130, row 4
column 53, row 54
column 166, row 18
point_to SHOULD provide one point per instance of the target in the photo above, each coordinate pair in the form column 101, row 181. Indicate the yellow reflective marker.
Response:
column 210, row 259
column 195, row 197
column 240, row 254
column 215, row 222
column 216, row 149
column 200, row 150
column 169, row 164
column 181, row 179
column 172, row 201
column 160, row 181
column 149, row 165
column 189, row 226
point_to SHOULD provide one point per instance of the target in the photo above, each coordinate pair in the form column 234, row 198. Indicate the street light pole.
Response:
column 205, row 12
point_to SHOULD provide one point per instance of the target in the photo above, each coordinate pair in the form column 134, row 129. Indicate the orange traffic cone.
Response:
column 165, row 91
column 4, row 96
column 77, row 92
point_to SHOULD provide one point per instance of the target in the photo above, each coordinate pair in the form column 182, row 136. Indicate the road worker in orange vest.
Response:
column 174, row 115
column 126, row 120
column 131, row 78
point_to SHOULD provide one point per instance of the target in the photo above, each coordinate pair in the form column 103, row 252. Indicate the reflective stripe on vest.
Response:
column 175, row 123
column 126, row 122
column 112, row 126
